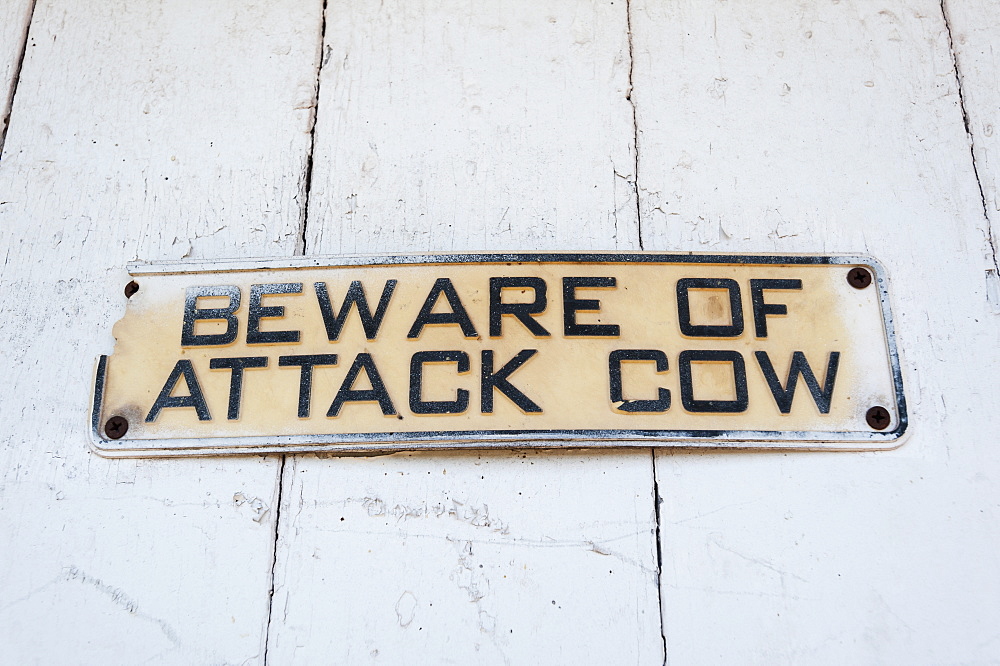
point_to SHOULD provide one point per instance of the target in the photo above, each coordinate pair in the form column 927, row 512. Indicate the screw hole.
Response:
column 131, row 288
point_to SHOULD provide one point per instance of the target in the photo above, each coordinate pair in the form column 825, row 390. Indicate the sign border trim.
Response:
column 510, row 439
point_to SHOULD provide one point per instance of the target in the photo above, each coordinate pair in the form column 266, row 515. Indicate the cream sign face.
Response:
column 477, row 351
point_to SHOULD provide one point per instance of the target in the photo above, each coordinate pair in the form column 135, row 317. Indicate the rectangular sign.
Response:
column 502, row 350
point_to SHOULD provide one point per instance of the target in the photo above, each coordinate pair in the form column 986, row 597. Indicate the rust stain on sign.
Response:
column 448, row 351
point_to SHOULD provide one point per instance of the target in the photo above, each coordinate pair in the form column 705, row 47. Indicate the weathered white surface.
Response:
column 974, row 25
column 161, row 130
column 829, row 127
column 14, row 17
column 450, row 126
column 467, row 558
column 150, row 130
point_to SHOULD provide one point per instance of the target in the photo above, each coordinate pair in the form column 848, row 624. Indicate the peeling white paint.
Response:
column 167, row 130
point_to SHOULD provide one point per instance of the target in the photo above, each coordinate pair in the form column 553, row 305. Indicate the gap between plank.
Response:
column 9, row 102
column 635, row 122
column 638, row 219
column 274, row 558
column 968, row 132
column 324, row 55
column 300, row 250
column 657, row 500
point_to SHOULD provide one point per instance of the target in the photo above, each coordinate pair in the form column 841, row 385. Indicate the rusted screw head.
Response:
column 131, row 288
column 859, row 278
column 116, row 427
column 878, row 417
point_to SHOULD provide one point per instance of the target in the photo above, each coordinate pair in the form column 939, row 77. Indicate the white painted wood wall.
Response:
column 188, row 128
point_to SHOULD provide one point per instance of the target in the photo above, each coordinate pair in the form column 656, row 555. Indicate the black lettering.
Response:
column 688, row 357
column 498, row 380
column 376, row 393
column 572, row 305
column 306, row 362
column 192, row 314
column 661, row 404
column 458, row 315
column 732, row 330
column 761, row 309
column 237, row 365
column 783, row 395
column 420, row 406
column 195, row 398
column 355, row 296
column 522, row 311
column 257, row 312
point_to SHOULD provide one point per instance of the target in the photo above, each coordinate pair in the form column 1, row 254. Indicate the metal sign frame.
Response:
column 380, row 442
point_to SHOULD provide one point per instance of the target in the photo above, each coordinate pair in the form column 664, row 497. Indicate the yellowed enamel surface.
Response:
column 568, row 377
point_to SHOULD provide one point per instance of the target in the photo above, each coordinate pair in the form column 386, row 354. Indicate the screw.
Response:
column 878, row 418
column 131, row 288
column 858, row 277
column 116, row 427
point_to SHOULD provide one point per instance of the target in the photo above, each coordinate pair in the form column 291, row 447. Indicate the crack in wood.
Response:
column 274, row 559
column 659, row 555
column 300, row 244
column 8, row 109
column 968, row 132
column 635, row 122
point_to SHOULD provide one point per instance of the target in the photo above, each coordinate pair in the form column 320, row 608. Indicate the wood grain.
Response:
column 829, row 127
column 447, row 126
column 14, row 17
column 141, row 131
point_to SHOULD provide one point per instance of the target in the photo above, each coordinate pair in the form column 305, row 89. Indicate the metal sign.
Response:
column 502, row 350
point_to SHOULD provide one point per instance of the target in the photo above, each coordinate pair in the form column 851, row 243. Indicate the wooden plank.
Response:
column 142, row 131
column 14, row 18
column 449, row 126
column 488, row 558
column 474, row 130
column 829, row 127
